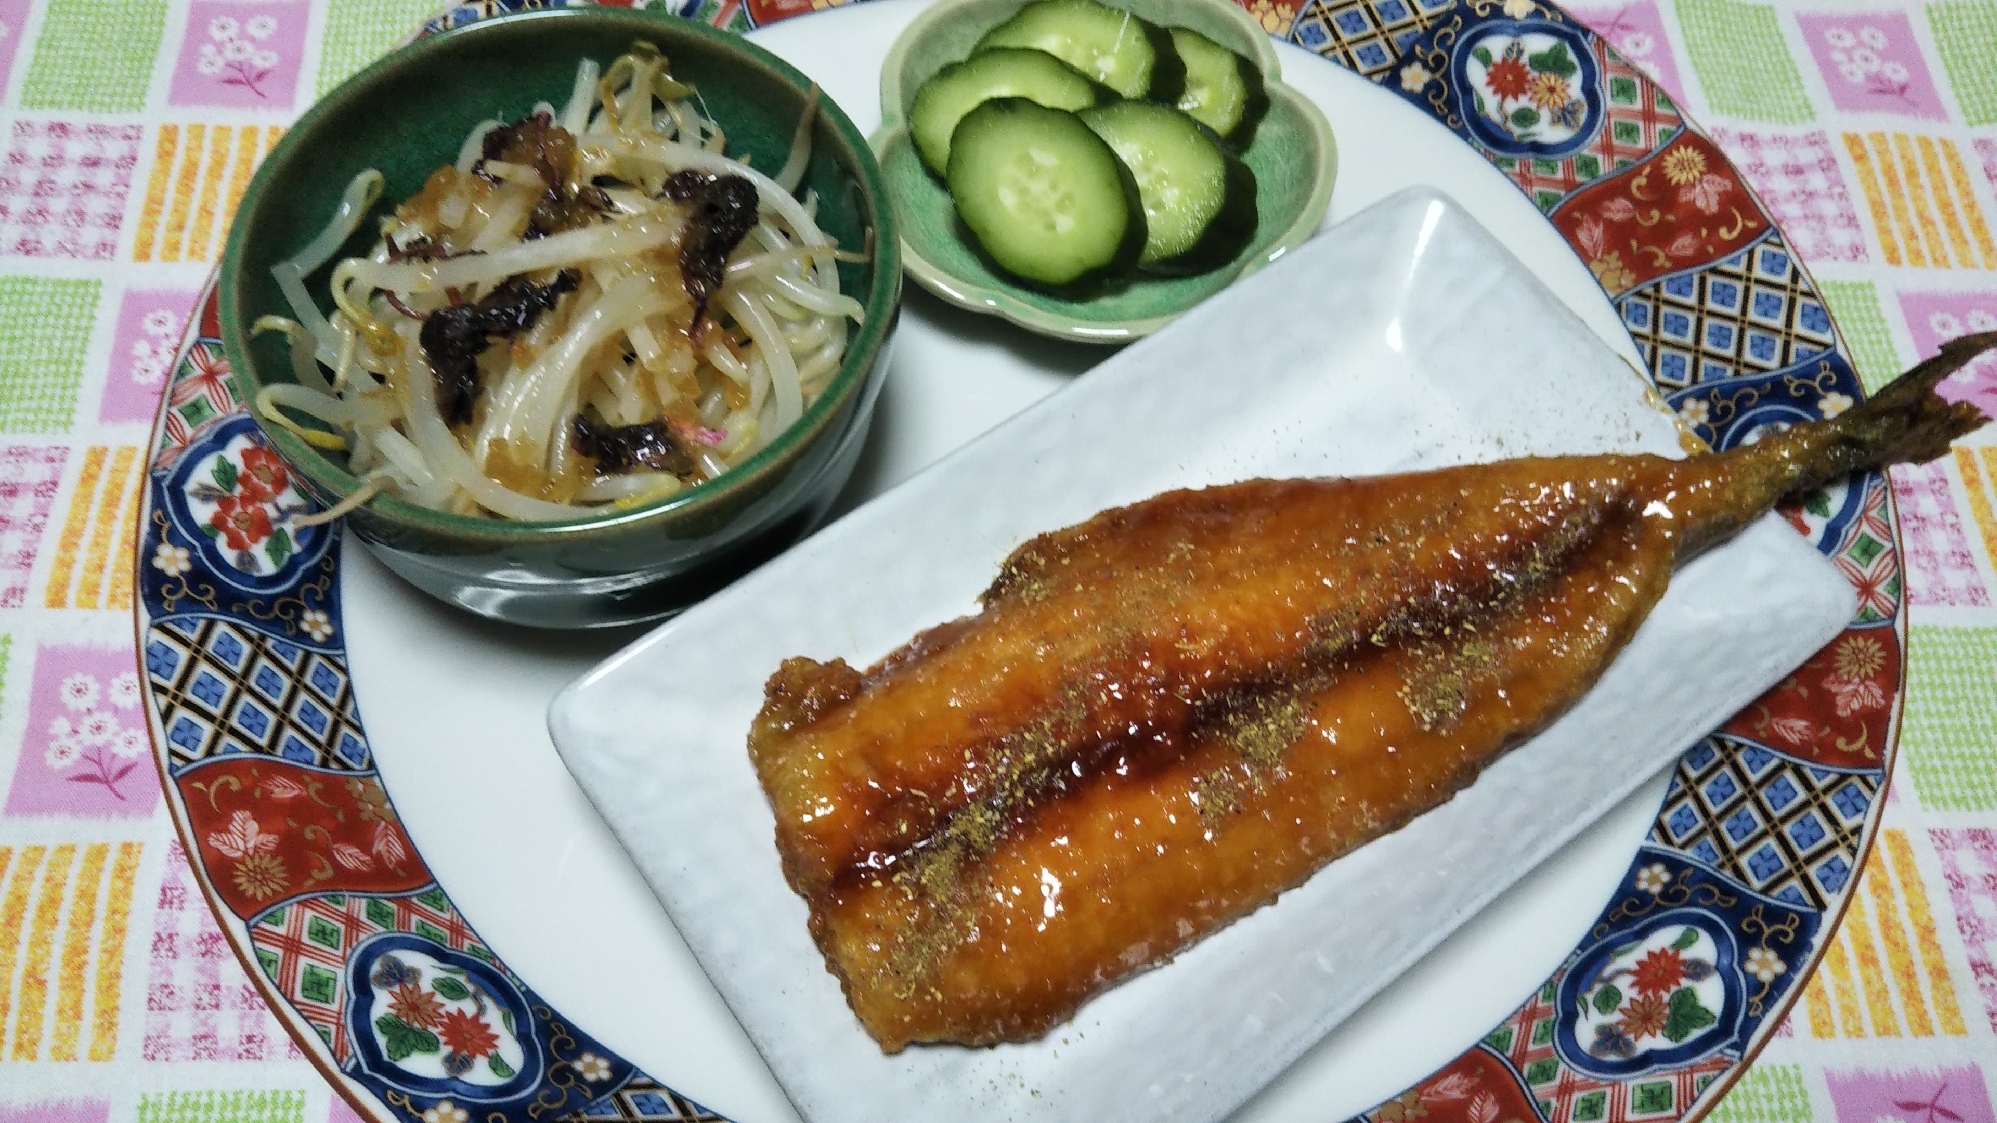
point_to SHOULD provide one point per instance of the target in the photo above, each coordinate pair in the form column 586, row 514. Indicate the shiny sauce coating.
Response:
column 1165, row 716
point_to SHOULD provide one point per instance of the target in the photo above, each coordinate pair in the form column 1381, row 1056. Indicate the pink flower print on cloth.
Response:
column 1872, row 63
column 1636, row 31
column 240, row 55
column 1935, row 318
column 1949, row 1094
column 85, row 748
column 142, row 351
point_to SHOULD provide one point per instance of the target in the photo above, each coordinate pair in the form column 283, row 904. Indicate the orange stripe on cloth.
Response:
column 1896, row 198
column 212, row 214
column 119, row 598
column 164, row 150
column 40, row 955
column 186, row 175
column 6, row 977
column 1972, row 210
column 1979, row 492
column 1906, row 974
column 63, row 570
column 1834, row 975
column 251, row 147
column 13, row 926
column 1875, row 198
column 249, row 153
column 122, row 482
column 198, row 179
column 111, row 953
column 73, row 981
column 1920, row 199
column 1947, row 1013
column 1817, row 1003
column 1895, row 193
column 1857, row 930
column 1945, row 203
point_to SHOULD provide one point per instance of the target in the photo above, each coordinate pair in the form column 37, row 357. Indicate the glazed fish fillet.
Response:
column 1165, row 716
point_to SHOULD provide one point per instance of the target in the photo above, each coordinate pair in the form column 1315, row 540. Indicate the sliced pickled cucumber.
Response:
column 999, row 72
column 1224, row 90
column 1045, row 197
column 1198, row 198
column 1128, row 54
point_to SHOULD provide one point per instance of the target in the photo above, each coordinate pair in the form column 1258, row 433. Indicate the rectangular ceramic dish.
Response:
column 1406, row 338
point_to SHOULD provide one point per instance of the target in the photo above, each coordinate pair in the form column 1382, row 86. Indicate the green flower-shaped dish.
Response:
column 1292, row 154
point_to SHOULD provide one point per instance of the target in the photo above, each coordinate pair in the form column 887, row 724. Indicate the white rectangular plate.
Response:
column 1404, row 339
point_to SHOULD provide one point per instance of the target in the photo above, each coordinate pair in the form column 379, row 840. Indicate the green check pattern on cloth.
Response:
column 1769, row 1093
column 1966, row 37
column 358, row 31
column 257, row 1105
column 1855, row 307
column 1868, row 126
column 45, row 325
column 1951, row 719
column 94, row 55
column 1743, row 61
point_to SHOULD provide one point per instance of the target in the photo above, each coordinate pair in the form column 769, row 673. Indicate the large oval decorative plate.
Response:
column 1723, row 910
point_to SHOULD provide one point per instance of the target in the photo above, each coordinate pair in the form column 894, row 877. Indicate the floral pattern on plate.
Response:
column 1679, row 969
column 239, row 501
column 1679, row 209
column 1520, row 81
column 270, row 830
column 1657, row 992
column 1528, row 85
column 229, row 515
column 435, row 1021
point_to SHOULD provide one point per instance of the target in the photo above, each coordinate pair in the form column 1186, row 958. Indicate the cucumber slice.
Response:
column 1130, row 55
column 1224, row 91
column 1044, row 197
column 1000, row 72
column 1198, row 198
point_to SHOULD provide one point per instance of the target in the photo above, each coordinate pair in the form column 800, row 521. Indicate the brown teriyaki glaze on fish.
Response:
column 1168, row 714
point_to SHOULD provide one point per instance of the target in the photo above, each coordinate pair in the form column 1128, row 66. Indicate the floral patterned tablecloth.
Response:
column 128, row 128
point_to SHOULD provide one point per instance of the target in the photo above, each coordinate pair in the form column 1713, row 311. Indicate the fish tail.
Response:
column 1905, row 422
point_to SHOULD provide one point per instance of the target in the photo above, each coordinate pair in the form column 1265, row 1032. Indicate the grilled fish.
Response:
column 1168, row 714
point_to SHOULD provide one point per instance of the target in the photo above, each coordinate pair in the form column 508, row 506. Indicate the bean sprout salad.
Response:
column 591, row 306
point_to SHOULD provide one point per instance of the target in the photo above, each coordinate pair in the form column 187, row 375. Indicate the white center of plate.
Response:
column 455, row 706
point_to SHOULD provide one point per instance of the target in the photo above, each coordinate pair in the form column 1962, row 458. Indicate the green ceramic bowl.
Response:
column 1292, row 154
column 408, row 114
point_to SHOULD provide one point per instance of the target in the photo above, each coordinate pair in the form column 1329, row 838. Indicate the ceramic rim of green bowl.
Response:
column 882, row 302
column 1003, row 302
